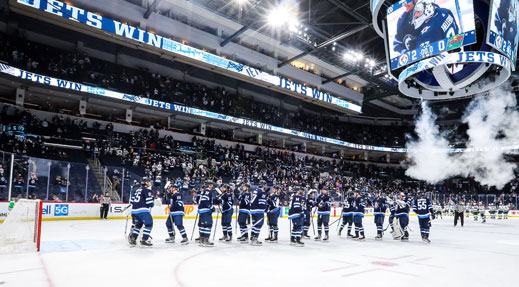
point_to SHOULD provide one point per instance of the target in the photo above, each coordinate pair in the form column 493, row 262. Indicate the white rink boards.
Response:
column 95, row 253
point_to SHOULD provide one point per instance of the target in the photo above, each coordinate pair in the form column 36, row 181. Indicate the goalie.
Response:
column 401, row 218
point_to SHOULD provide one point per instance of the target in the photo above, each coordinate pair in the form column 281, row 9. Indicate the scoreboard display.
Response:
column 419, row 29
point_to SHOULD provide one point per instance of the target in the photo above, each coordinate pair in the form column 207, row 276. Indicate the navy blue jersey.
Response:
column 273, row 202
column 205, row 201
column 33, row 182
column 227, row 201
column 323, row 204
column 379, row 206
column 176, row 205
column 296, row 206
column 422, row 207
column 142, row 200
column 359, row 205
column 506, row 24
column 258, row 202
column 401, row 207
column 440, row 26
column 347, row 206
column 404, row 30
column 309, row 203
column 244, row 200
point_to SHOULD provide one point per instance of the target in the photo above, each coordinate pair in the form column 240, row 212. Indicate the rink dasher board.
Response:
column 84, row 211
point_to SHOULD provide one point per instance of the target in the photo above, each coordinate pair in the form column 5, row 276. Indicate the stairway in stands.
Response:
column 98, row 170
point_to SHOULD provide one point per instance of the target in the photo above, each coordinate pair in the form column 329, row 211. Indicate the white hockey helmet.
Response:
column 423, row 10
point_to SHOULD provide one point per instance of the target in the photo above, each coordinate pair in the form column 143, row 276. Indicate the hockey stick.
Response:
column 340, row 217
column 193, row 232
column 248, row 229
column 216, row 226
column 126, row 226
column 312, row 220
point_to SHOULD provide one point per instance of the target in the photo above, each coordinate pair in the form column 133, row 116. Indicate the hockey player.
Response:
column 226, row 199
column 423, row 209
column 142, row 202
column 379, row 211
column 492, row 211
column 347, row 213
column 506, row 211
column 323, row 213
column 295, row 213
column 458, row 213
column 500, row 211
column 507, row 24
column 258, row 206
column 475, row 212
column 358, row 214
column 273, row 215
column 308, row 205
column 205, row 218
column 482, row 212
column 405, row 38
column 176, row 215
column 244, row 213
column 401, row 207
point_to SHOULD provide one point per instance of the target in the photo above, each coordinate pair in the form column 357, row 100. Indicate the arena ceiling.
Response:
column 328, row 30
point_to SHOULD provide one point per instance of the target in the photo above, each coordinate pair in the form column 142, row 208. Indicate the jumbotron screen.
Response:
column 418, row 29
column 503, row 26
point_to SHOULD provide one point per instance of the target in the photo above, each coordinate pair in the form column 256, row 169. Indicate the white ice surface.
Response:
column 95, row 253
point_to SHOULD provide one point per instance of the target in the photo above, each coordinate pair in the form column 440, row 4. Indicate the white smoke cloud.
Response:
column 493, row 122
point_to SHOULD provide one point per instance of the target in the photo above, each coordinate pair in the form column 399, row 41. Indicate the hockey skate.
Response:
column 184, row 241
column 204, row 242
column 404, row 239
column 318, row 237
column 274, row 238
column 305, row 235
column 361, row 237
column 349, row 235
column 146, row 243
column 378, row 237
column 254, row 242
column 132, row 241
column 243, row 239
column 270, row 237
column 224, row 238
column 292, row 241
column 171, row 239
column 299, row 243
column 326, row 238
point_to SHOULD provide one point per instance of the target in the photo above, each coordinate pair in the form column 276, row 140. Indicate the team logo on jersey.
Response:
column 425, row 29
column 499, row 41
column 403, row 60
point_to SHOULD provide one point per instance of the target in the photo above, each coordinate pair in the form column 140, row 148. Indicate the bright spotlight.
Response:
column 241, row 2
column 276, row 17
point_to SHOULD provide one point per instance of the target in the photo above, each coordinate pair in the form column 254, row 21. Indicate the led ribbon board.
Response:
column 455, row 58
column 421, row 29
column 68, row 85
column 72, row 13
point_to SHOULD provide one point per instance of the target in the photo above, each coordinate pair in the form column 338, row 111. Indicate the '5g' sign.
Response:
column 61, row 210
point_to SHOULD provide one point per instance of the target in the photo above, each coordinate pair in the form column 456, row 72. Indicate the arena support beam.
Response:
column 151, row 9
column 325, row 43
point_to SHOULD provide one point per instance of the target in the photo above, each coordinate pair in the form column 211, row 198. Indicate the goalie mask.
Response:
column 423, row 11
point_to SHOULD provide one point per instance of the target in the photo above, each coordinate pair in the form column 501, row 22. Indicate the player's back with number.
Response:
column 258, row 202
column 141, row 200
column 422, row 207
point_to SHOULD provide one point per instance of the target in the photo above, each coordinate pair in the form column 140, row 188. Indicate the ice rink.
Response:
column 95, row 253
